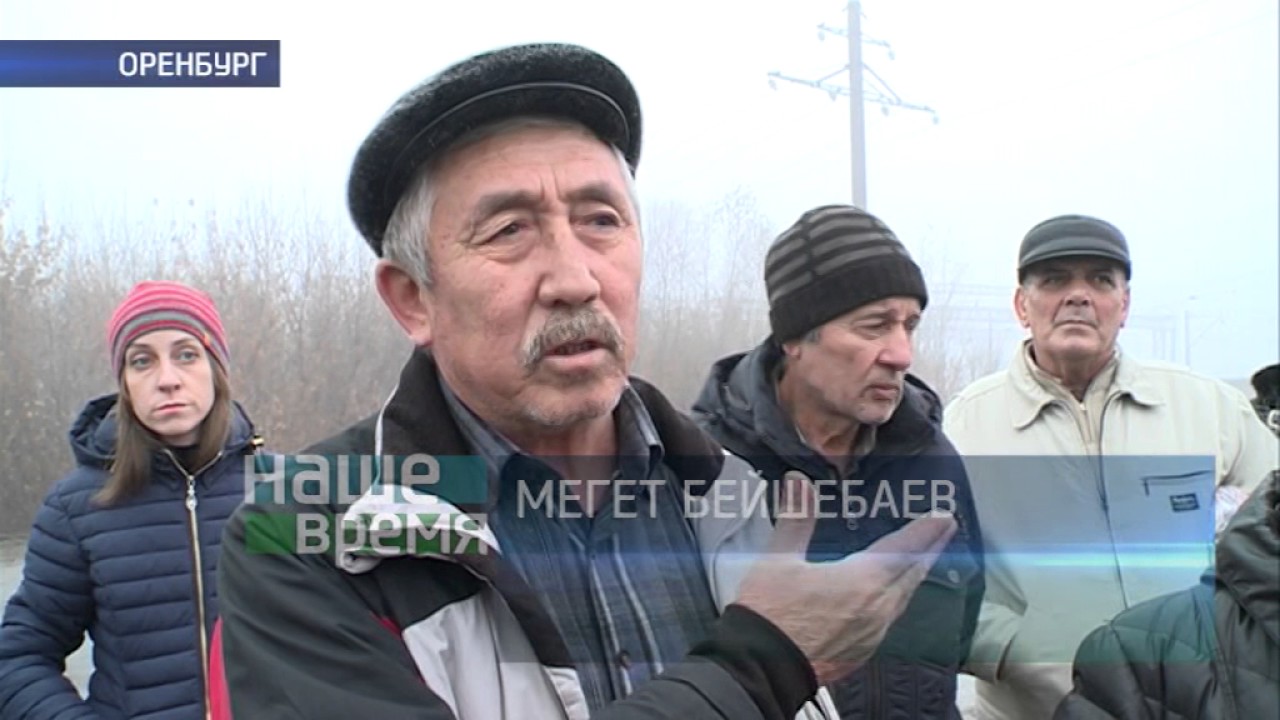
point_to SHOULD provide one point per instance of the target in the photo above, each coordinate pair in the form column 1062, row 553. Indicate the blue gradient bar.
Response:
column 139, row 63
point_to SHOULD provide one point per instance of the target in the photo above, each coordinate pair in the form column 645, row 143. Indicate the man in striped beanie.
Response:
column 834, row 259
column 828, row 394
column 163, row 305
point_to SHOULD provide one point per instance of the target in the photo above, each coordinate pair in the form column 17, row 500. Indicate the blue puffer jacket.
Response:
column 127, row 575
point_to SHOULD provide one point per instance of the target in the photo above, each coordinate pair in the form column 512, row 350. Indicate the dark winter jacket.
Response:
column 137, row 576
column 1211, row 652
column 913, row 675
column 455, row 631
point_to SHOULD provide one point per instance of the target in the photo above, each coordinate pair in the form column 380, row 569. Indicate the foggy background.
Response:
column 1158, row 116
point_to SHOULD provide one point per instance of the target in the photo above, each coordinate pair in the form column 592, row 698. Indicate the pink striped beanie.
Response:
column 162, row 305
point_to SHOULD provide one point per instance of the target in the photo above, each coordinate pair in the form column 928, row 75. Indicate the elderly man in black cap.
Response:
column 1266, row 395
column 593, row 573
column 828, row 394
column 1099, row 478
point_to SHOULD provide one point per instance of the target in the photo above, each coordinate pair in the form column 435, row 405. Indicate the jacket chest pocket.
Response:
column 1158, row 484
column 1181, row 506
column 1155, row 493
column 1171, row 505
column 932, row 629
column 1162, row 521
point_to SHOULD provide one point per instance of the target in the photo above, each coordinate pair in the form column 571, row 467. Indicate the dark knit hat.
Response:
column 160, row 305
column 1073, row 236
column 834, row 259
column 1266, row 382
column 546, row 79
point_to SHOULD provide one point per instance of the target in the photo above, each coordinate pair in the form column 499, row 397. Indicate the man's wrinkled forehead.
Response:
column 502, row 200
column 584, row 169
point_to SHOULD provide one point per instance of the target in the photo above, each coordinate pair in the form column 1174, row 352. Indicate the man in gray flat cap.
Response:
column 613, row 563
column 1099, row 479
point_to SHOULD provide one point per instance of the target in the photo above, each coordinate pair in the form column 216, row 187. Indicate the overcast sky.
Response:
column 1158, row 115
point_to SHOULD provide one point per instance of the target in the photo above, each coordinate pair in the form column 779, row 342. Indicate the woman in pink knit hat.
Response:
column 125, row 548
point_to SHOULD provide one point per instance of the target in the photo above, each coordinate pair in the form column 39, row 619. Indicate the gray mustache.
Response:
column 571, row 326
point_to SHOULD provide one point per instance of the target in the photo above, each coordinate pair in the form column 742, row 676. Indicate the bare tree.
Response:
column 704, row 290
column 312, row 347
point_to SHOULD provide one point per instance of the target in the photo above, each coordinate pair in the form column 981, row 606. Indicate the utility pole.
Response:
column 1186, row 336
column 857, row 122
column 879, row 92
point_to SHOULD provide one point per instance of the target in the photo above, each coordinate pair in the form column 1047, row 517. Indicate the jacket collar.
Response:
column 639, row 450
column 93, row 437
column 417, row 419
column 1030, row 398
column 740, row 397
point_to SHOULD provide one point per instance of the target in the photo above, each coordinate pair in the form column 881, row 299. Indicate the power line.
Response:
column 877, row 91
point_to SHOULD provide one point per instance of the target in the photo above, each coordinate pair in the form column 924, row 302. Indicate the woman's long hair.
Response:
column 136, row 445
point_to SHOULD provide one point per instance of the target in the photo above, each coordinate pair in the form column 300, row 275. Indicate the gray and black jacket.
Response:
column 913, row 675
column 433, row 636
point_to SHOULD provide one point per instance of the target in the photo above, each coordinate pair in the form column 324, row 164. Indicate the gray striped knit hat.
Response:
column 834, row 259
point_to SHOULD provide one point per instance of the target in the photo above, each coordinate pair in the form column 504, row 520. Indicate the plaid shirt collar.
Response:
column 640, row 450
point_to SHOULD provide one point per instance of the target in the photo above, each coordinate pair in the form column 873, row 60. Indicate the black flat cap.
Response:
column 543, row 79
column 1266, row 382
column 1073, row 236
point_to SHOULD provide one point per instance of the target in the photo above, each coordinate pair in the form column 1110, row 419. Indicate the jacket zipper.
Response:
column 1106, row 505
column 873, row 663
column 193, row 525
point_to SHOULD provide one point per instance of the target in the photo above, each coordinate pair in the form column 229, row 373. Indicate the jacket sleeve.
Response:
column 1102, row 690
column 45, row 621
column 1257, row 448
column 746, row 669
column 299, row 641
column 975, row 592
column 1001, row 604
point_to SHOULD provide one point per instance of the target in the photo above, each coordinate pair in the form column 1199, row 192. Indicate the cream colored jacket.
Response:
column 1086, row 511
